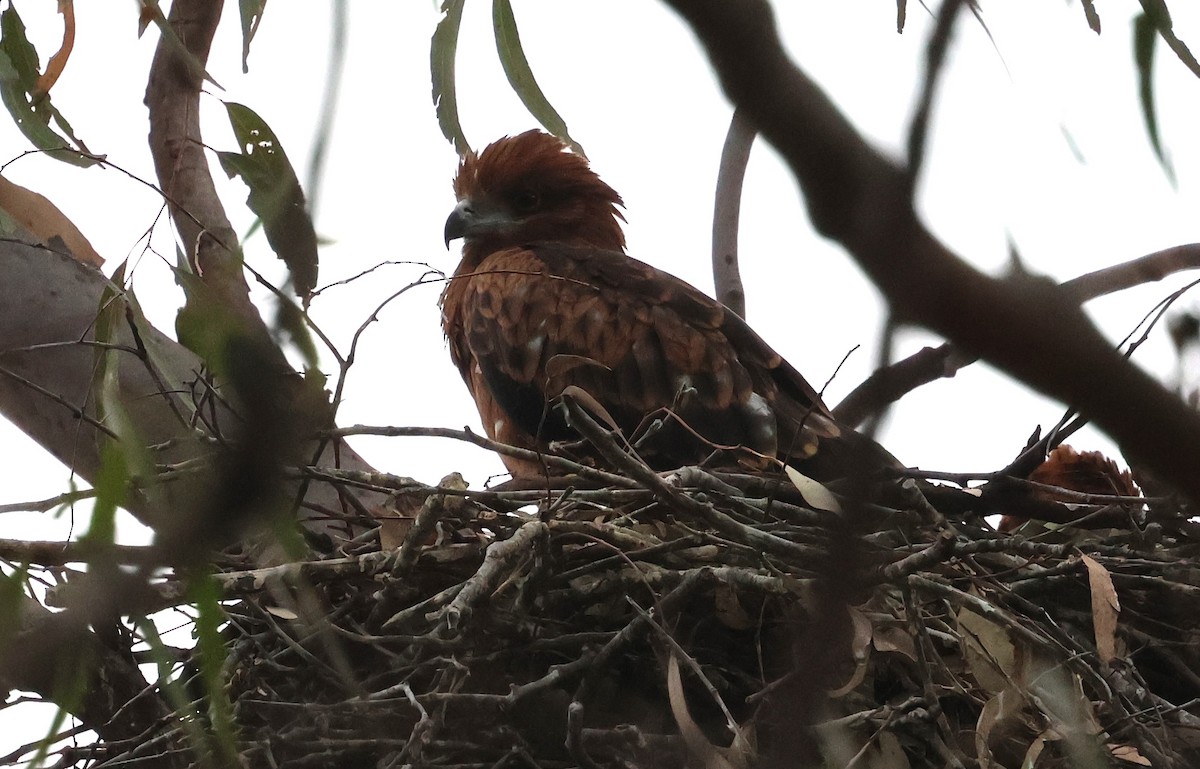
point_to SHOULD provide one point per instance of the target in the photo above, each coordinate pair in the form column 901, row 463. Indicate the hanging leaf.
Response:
column 1105, row 608
column 251, row 12
column 30, row 107
column 290, row 321
column 1145, row 36
column 151, row 12
column 275, row 195
column 1093, row 18
column 442, row 50
column 520, row 75
column 118, row 456
column 212, row 653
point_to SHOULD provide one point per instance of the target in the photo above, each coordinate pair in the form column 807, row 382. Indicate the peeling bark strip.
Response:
column 1025, row 325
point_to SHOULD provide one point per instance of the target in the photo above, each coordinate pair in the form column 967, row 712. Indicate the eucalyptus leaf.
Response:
column 1145, row 38
column 520, row 74
column 442, row 51
column 251, row 12
column 32, row 110
column 275, row 195
column 212, row 652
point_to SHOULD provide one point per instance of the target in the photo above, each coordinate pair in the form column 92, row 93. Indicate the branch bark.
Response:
column 890, row 383
column 173, row 99
column 1023, row 324
column 55, row 655
column 727, row 209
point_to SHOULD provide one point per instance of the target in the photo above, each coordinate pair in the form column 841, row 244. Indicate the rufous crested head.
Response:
column 531, row 188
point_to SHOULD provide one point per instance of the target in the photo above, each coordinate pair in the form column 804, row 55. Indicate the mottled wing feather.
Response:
column 657, row 343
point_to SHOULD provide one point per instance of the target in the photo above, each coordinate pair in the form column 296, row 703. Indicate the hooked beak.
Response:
column 469, row 220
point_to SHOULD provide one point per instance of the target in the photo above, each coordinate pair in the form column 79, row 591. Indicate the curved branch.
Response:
column 890, row 383
column 173, row 100
column 727, row 209
column 1023, row 324
column 1145, row 269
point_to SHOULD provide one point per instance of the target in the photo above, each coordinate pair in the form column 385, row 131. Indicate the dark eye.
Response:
column 526, row 201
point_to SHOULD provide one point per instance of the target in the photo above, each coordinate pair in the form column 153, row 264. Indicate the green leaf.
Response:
column 30, row 109
column 1093, row 18
column 275, row 195
column 171, row 686
column 520, row 75
column 442, row 50
column 211, row 653
column 127, row 457
column 195, row 68
column 206, row 325
column 290, row 320
column 1145, row 36
column 251, row 11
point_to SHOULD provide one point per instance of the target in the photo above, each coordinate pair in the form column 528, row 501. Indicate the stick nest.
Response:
column 697, row 618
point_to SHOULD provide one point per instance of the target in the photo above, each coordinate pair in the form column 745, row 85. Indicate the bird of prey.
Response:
column 545, row 298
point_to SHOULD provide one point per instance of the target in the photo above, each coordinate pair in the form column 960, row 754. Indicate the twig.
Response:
column 935, row 60
column 496, row 563
column 697, row 506
column 727, row 208
column 51, row 553
column 608, row 479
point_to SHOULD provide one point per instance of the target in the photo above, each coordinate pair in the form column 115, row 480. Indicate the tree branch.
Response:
column 173, row 99
column 727, row 209
column 1023, row 324
column 56, row 655
column 890, row 383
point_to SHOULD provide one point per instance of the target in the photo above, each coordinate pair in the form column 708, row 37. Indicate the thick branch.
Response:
column 1025, row 325
column 56, row 655
column 173, row 99
column 890, row 383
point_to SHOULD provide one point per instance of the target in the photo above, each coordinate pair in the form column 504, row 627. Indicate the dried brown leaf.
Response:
column 736, row 756
column 815, row 494
column 1004, row 705
column 42, row 218
column 895, row 639
column 586, row 400
column 1128, row 753
column 1036, row 747
column 1105, row 608
column 988, row 650
column 393, row 530
column 860, row 646
column 562, row 363
column 281, row 612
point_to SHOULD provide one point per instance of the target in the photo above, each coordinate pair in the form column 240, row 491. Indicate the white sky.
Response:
column 638, row 94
